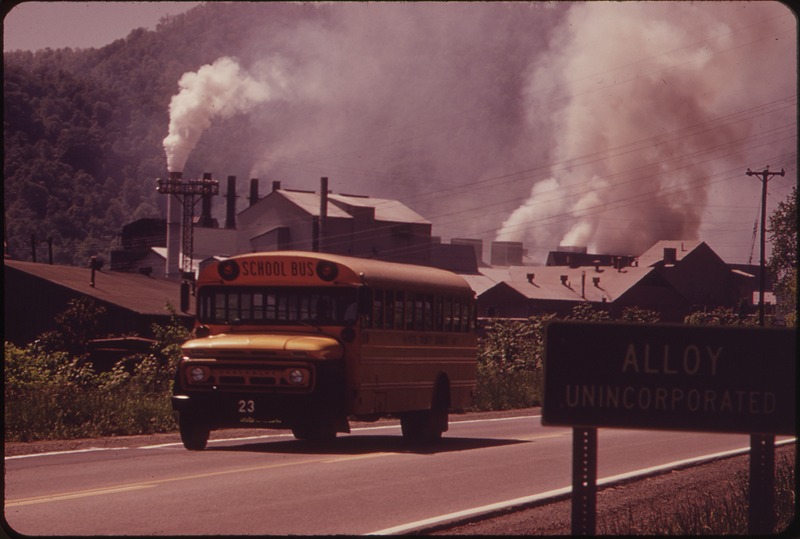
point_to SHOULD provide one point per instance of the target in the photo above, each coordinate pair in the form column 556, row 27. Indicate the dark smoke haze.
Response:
column 605, row 125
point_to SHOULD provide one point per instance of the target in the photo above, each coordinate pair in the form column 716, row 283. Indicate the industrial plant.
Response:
column 673, row 277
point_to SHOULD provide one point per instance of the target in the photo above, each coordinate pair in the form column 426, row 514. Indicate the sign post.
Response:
column 671, row 377
column 761, row 516
column 584, row 481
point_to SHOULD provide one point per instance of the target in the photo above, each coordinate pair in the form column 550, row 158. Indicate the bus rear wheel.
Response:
column 425, row 426
column 194, row 434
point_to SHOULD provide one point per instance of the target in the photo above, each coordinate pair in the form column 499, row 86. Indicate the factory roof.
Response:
column 132, row 291
column 655, row 254
column 340, row 206
column 566, row 284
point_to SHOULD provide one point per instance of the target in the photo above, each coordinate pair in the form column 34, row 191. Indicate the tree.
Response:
column 783, row 261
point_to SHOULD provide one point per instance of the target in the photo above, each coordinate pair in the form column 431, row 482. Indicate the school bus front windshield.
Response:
column 260, row 305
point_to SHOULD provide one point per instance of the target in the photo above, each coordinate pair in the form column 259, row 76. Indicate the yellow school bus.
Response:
column 305, row 341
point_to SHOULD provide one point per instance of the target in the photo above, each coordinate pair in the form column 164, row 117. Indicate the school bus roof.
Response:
column 376, row 273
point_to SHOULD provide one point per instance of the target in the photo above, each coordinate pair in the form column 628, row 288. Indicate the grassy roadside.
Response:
column 709, row 499
column 706, row 511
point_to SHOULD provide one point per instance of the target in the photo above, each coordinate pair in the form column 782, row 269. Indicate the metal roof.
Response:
column 132, row 291
column 385, row 209
column 655, row 254
column 546, row 283
column 309, row 203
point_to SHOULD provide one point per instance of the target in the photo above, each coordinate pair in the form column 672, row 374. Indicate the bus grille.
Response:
column 249, row 376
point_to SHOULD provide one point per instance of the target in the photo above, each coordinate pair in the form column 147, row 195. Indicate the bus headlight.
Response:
column 198, row 374
column 296, row 376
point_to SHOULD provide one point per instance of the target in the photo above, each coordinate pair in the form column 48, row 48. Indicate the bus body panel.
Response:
column 398, row 370
column 264, row 362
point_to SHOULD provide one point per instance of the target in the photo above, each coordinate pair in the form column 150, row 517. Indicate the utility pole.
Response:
column 186, row 192
column 765, row 176
column 762, row 446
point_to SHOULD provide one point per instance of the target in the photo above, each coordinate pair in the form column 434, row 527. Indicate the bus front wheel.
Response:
column 194, row 434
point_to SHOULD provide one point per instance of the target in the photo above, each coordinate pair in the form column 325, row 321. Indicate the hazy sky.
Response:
column 38, row 25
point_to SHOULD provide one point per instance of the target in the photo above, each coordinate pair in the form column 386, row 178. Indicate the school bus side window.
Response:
column 409, row 311
column 377, row 309
column 258, row 306
column 399, row 301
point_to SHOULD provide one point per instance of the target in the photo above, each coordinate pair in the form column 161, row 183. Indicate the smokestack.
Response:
column 276, row 185
column 173, row 229
column 205, row 203
column 230, row 205
column 323, row 208
column 253, row 191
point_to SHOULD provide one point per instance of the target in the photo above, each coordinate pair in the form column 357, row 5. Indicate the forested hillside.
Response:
column 83, row 129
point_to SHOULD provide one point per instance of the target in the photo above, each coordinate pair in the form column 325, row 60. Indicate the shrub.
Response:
column 52, row 394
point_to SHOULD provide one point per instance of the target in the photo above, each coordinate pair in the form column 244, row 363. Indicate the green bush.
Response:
column 52, row 394
column 511, row 356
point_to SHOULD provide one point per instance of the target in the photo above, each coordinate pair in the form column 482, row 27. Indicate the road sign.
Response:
column 673, row 377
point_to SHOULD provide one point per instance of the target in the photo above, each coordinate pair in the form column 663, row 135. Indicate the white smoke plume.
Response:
column 646, row 102
column 607, row 124
column 218, row 90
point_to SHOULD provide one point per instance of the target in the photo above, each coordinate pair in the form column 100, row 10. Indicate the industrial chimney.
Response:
column 253, row 191
column 323, row 208
column 230, row 204
column 174, row 213
column 205, row 202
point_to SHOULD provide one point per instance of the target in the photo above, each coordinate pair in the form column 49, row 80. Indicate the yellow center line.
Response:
column 357, row 457
column 73, row 495
column 147, row 484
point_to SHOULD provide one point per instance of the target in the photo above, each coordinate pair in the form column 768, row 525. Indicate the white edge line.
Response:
column 554, row 495
column 87, row 450
column 246, row 438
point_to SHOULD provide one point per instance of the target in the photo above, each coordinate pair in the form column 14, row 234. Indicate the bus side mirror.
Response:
column 364, row 300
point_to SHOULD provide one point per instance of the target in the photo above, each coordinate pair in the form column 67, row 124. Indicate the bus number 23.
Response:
column 247, row 407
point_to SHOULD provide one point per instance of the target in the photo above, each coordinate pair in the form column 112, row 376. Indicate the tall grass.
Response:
column 69, row 400
column 700, row 512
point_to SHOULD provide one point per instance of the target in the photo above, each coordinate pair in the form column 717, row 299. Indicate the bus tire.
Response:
column 194, row 434
column 316, row 432
column 422, row 426
column 427, row 426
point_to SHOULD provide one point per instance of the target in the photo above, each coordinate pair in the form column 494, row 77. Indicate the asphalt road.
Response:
column 364, row 482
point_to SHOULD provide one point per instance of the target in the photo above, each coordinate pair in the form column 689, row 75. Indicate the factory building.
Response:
column 291, row 219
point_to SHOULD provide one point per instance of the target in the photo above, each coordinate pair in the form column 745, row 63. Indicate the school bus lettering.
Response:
column 231, row 270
